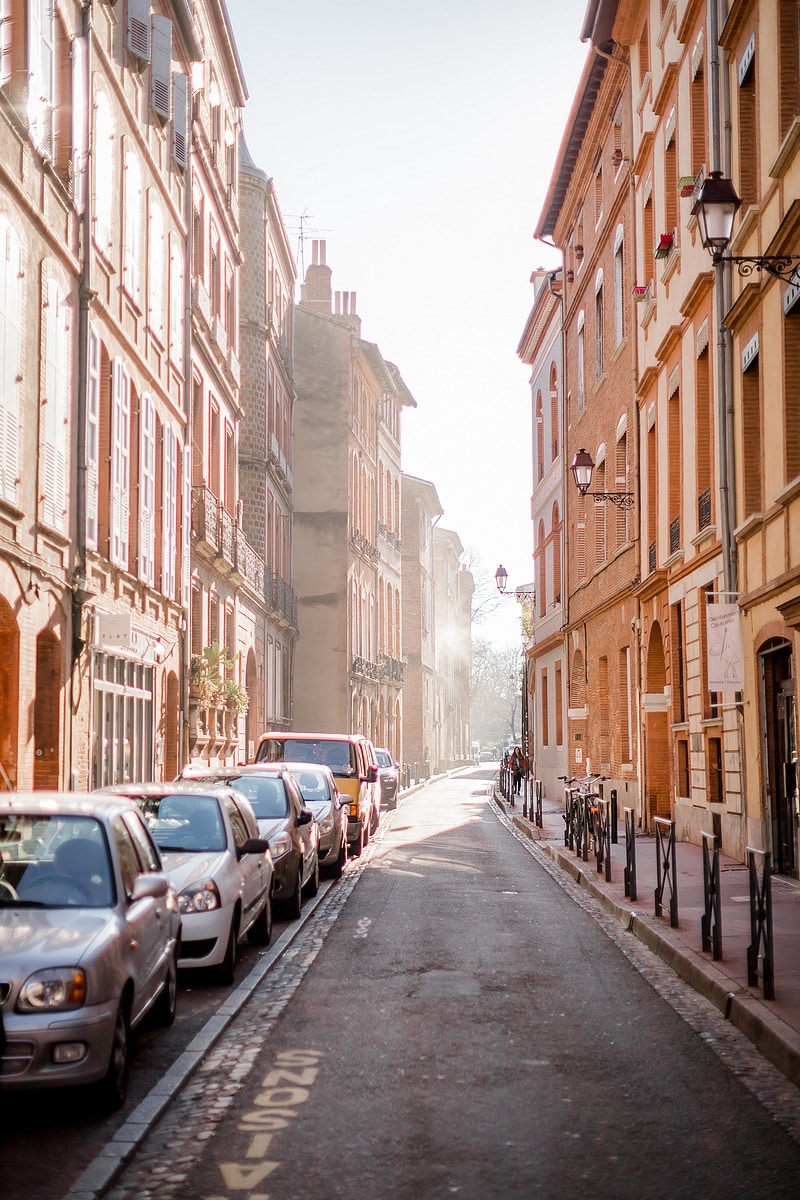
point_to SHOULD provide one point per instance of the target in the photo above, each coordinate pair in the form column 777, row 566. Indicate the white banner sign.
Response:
column 725, row 649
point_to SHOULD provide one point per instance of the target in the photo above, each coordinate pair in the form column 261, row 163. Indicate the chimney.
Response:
column 316, row 290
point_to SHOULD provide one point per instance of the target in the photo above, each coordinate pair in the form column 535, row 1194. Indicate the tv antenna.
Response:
column 303, row 230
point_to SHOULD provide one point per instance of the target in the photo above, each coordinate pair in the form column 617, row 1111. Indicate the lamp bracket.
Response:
column 621, row 499
column 781, row 266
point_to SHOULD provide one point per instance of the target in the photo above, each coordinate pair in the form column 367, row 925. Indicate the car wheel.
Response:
column 225, row 970
column 359, row 843
column 294, row 905
column 260, row 932
column 113, row 1087
column 337, row 869
column 166, row 1005
column 312, row 883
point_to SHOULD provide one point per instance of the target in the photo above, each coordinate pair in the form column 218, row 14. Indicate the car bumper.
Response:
column 205, row 938
column 33, row 1040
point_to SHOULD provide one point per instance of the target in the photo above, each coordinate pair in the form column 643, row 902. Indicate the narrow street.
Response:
column 451, row 1022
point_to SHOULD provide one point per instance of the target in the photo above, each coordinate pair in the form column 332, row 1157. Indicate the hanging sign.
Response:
column 725, row 648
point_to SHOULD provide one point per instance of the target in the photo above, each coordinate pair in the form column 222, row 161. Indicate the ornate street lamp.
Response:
column 582, row 467
column 501, row 579
column 715, row 206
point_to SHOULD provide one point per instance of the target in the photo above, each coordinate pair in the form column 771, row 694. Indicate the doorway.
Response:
column 779, row 736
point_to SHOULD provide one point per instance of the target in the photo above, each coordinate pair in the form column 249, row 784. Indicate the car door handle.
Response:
column 134, row 945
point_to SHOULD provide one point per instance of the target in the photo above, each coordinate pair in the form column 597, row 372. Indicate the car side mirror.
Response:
column 252, row 846
column 151, row 885
column 305, row 817
column 372, row 775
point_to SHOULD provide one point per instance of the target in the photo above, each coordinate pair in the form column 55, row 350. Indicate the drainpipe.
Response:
column 85, row 297
column 184, row 641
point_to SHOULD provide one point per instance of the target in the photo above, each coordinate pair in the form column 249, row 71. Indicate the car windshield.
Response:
column 181, row 822
column 267, row 796
column 330, row 753
column 313, row 784
column 54, row 861
column 384, row 759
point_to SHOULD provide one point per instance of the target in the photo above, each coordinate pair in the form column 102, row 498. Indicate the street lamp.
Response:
column 501, row 579
column 582, row 467
column 715, row 206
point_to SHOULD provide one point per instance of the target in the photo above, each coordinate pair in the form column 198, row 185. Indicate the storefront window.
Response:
column 123, row 721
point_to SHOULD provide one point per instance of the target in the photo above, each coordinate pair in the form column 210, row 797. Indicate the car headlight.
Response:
column 280, row 844
column 199, row 897
column 326, row 823
column 53, row 989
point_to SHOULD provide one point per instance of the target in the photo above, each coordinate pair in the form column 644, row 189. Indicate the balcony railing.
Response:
column 651, row 557
column 364, row 546
column 205, row 516
column 390, row 668
column 363, row 666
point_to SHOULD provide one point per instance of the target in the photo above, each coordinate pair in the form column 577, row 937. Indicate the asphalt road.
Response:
column 454, row 1023
column 47, row 1138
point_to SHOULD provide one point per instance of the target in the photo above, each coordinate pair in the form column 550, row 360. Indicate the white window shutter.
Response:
column 92, row 437
column 169, row 513
column 147, row 489
column 155, row 271
column 10, row 349
column 186, row 548
column 176, row 302
column 138, row 29
column 132, row 224
column 5, row 42
column 80, row 101
column 120, row 464
column 180, row 118
column 161, row 68
column 106, row 167
column 56, row 399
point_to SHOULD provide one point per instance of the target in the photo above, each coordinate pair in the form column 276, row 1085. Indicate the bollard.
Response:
column 614, row 816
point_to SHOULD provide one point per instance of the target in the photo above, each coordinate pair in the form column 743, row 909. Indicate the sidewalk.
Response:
column 773, row 1026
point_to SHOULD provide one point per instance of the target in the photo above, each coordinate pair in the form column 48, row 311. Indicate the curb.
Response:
column 778, row 1042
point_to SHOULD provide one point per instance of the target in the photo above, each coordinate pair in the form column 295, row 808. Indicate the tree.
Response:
column 496, row 692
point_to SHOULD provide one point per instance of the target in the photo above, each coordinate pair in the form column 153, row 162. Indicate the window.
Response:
column 132, row 225
column 180, row 118
column 559, row 699
column 539, row 438
column 675, row 460
column 649, row 237
column 147, row 489
column 652, row 497
column 625, row 714
column 748, row 127
column 788, row 64
column 678, row 667
column 120, row 463
column 619, row 288
column 644, row 55
column 10, row 350
column 791, row 384
column 581, row 363
column 600, row 507
column 161, row 68
column 716, row 778
column 598, row 326
column 605, row 713
column 41, row 74
column 697, row 108
column 684, row 781
column 92, row 453
column 704, row 440
column 598, row 192
column 545, row 710
column 621, row 485
column 104, row 172
column 80, row 104
column 186, row 540
column 155, row 269
column 671, row 179
column 56, row 409
column 176, row 303
column 554, row 421
column 751, row 429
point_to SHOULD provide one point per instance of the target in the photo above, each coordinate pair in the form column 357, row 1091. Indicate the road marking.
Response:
column 363, row 927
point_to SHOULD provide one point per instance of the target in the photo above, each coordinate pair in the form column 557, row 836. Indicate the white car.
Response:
column 89, row 930
column 214, row 858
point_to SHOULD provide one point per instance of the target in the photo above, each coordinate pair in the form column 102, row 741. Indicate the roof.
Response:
column 571, row 143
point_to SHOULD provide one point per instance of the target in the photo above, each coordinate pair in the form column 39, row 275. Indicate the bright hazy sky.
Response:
column 419, row 138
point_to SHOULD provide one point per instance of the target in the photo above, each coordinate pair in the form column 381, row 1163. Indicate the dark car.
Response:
column 284, row 820
column 389, row 776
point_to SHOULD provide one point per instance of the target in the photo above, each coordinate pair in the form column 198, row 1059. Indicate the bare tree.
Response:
column 496, row 692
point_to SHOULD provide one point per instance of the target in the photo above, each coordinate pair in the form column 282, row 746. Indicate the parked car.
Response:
column 220, row 867
column 389, row 776
column 90, row 934
column 330, row 808
column 351, row 758
column 285, row 821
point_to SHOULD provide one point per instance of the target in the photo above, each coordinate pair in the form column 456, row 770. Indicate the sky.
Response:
column 418, row 138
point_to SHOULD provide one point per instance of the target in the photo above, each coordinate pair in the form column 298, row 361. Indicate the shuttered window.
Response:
column 120, row 463
column 161, row 68
column 748, row 132
column 176, row 302
column 92, row 452
column 155, row 268
column 41, row 70
column 132, row 225
column 56, row 409
column 147, row 489
column 10, row 350
column 180, row 118
column 169, row 512
column 105, row 167
column 751, row 437
column 186, row 546
column 138, row 29
column 788, row 63
column 791, row 394
column 6, row 29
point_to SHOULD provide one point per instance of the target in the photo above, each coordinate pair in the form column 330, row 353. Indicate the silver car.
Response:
column 90, row 935
column 330, row 807
column 220, row 868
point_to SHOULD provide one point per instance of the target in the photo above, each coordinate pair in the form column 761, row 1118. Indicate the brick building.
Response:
column 453, row 587
column 423, row 707
column 588, row 212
